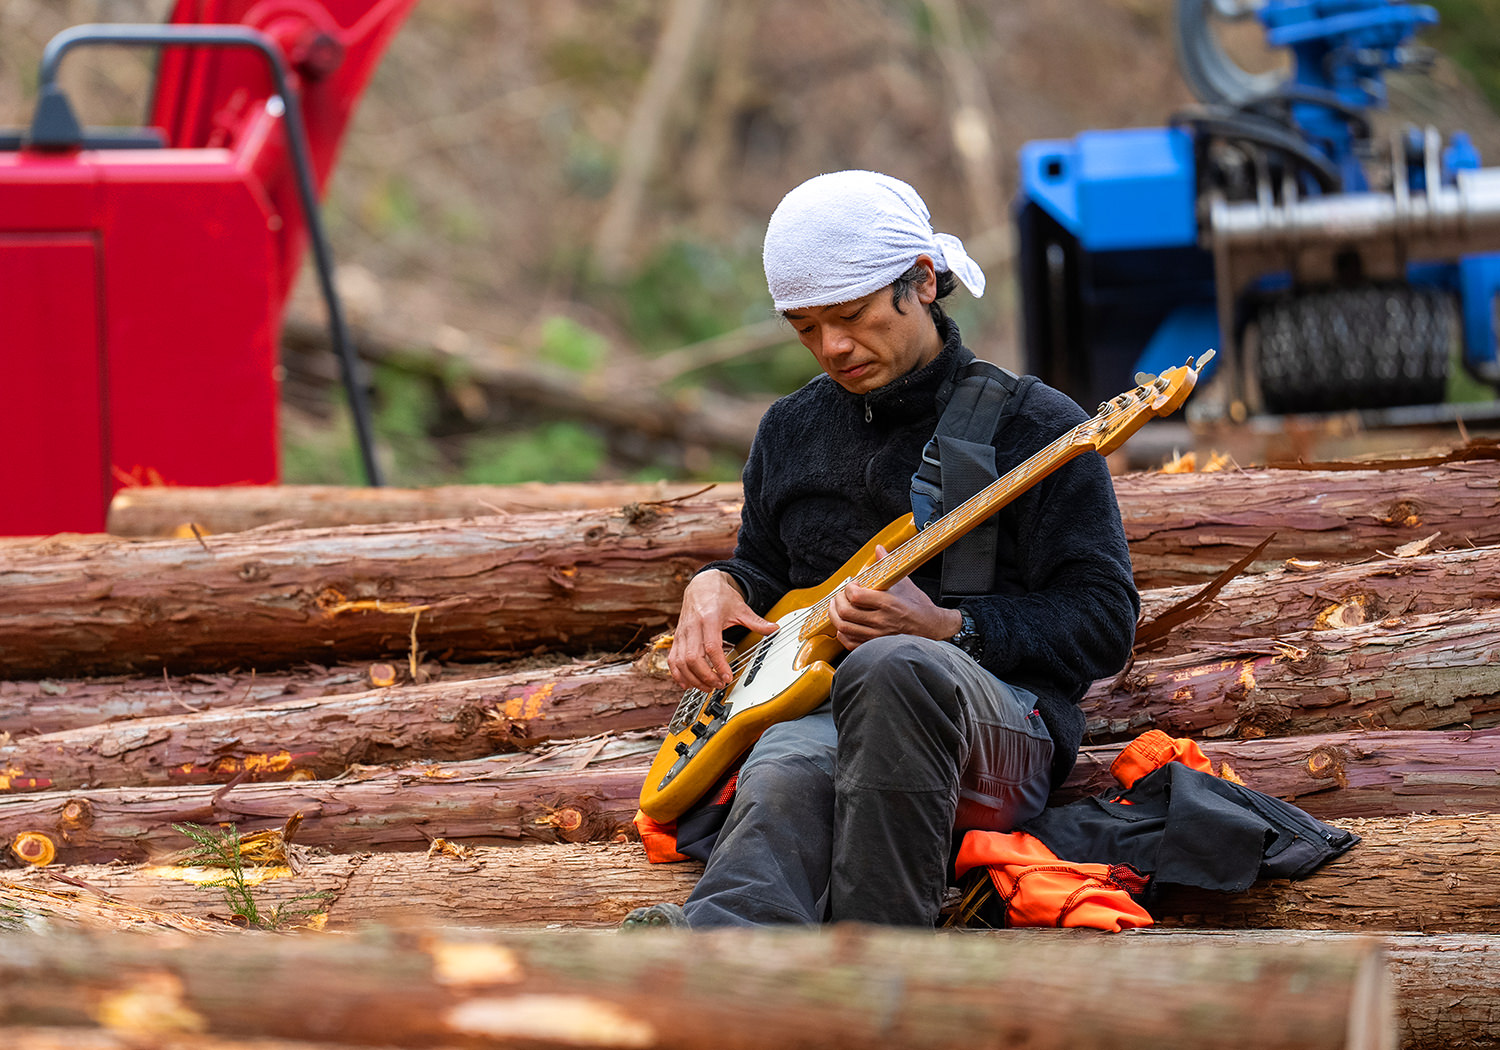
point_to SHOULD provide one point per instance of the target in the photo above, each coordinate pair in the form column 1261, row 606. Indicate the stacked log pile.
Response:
column 447, row 721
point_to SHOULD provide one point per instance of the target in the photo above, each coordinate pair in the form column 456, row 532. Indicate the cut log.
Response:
column 1352, row 773
column 1430, row 874
column 485, row 588
column 1184, row 528
column 1446, row 994
column 43, row 1038
column 851, row 987
column 51, row 705
column 1334, row 776
column 52, row 904
column 319, row 737
column 1283, row 604
column 1326, row 595
column 158, row 510
column 506, row 799
column 1429, row 671
column 588, row 791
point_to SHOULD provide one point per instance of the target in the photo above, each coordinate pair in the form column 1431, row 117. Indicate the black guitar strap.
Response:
column 959, row 460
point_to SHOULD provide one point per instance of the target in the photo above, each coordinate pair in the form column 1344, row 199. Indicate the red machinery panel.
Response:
column 143, row 288
column 49, row 286
column 146, row 299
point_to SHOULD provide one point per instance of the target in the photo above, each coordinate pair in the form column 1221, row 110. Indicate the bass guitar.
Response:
column 781, row 676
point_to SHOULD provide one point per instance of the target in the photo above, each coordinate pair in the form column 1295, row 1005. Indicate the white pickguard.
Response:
column 770, row 668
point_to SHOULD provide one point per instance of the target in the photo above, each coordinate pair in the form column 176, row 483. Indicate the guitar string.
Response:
column 948, row 523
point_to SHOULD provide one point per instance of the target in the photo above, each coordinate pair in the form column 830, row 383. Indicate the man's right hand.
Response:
column 711, row 604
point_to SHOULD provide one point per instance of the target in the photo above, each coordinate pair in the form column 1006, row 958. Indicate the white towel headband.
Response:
column 844, row 235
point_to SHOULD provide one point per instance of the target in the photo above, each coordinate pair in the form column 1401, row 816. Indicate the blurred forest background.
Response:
column 547, row 216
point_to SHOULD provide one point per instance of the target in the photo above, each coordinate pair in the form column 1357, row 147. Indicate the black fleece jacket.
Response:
column 829, row 469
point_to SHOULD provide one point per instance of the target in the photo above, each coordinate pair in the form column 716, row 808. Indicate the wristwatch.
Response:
column 967, row 637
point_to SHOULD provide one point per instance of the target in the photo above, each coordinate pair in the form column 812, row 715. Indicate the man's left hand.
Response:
column 861, row 613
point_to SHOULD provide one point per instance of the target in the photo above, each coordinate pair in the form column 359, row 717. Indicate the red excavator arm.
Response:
column 209, row 98
column 143, row 274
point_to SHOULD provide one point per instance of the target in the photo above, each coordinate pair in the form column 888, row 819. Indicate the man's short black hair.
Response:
column 903, row 286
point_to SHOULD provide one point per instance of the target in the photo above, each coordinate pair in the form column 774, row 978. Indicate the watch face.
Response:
column 967, row 637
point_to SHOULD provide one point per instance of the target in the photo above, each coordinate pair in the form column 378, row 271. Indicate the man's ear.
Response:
column 927, row 290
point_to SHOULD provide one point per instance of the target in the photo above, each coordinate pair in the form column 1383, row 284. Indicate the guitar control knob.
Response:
column 716, row 709
column 699, row 729
column 682, row 748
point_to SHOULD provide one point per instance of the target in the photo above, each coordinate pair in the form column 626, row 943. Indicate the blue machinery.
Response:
column 1335, row 268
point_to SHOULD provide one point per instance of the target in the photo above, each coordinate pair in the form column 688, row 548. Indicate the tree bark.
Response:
column 1287, row 601
column 158, row 511
column 1352, row 773
column 854, row 987
column 485, row 588
column 43, row 1038
column 1446, row 994
column 589, row 790
column 1184, row 528
column 1334, row 776
column 1431, row 671
column 320, row 737
column 1428, row 874
column 574, row 792
column 52, row 705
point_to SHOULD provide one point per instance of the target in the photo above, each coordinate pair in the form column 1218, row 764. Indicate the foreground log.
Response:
column 507, row 799
column 159, row 510
column 854, row 987
column 45, row 1038
column 1430, row 671
column 485, row 588
column 1446, row 994
column 1326, row 595
column 1185, row 528
column 52, row 705
column 320, row 737
column 1363, row 773
column 1431, row 874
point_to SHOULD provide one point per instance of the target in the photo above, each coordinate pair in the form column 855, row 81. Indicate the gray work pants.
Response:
column 848, row 813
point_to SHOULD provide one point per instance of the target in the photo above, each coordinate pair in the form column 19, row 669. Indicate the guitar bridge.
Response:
column 702, row 732
column 690, row 707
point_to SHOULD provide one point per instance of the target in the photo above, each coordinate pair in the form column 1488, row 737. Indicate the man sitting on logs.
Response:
column 955, row 707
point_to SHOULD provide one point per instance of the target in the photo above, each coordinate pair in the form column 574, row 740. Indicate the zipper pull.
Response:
column 868, row 414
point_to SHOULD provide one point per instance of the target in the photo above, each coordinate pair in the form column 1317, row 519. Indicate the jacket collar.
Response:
column 914, row 395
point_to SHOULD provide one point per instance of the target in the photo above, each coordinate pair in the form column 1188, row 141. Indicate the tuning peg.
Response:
column 1144, row 379
column 1208, row 355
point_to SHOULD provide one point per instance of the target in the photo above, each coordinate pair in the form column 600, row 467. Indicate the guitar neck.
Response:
column 958, row 522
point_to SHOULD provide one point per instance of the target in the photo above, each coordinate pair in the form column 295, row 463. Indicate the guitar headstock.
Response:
column 1161, row 395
